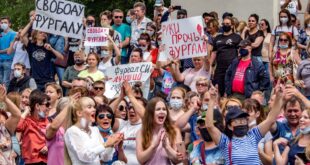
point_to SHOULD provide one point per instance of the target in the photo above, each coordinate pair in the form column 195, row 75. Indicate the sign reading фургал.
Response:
column 59, row 17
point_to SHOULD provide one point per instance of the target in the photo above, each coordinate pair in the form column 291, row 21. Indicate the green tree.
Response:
column 18, row 10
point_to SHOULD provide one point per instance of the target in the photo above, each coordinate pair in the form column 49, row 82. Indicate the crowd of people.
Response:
column 245, row 102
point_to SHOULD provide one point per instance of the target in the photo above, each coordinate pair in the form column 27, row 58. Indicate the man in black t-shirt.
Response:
column 225, row 49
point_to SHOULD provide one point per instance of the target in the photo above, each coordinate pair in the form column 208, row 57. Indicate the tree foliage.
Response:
column 18, row 10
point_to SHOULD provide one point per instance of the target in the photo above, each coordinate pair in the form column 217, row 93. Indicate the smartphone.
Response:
column 303, row 157
column 181, row 147
column 177, row 8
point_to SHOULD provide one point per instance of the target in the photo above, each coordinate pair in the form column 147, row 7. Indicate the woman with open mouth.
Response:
column 105, row 121
column 157, row 140
column 84, row 144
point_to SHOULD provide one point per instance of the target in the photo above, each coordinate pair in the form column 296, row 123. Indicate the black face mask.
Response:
column 240, row 130
column 226, row 28
column 205, row 134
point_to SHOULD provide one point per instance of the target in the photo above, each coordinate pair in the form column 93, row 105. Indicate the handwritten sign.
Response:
column 183, row 38
column 59, row 17
column 96, row 36
column 136, row 72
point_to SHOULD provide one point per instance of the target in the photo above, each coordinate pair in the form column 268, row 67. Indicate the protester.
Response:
column 21, row 81
column 92, row 70
column 54, row 91
column 83, row 142
column 7, row 36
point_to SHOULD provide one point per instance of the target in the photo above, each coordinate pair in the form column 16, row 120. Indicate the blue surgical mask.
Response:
column 128, row 19
column 283, row 46
column 176, row 104
column 305, row 130
column 104, row 130
column 41, row 115
column 104, row 53
column 4, row 26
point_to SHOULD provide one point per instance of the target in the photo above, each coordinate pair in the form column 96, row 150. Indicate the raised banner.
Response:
column 116, row 75
column 59, row 17
column 96, row 36
column 183, row 38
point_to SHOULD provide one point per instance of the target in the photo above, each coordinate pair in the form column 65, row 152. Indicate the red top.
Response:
column 33, row 139
column 238, row 82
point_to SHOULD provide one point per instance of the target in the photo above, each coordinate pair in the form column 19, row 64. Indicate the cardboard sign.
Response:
column 96, row 36
column 59, row 17
column 116, row 75
column 183, row 38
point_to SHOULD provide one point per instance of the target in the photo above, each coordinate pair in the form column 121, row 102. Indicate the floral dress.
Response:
column 6, row 152
column 303, row 39
column 283, row 68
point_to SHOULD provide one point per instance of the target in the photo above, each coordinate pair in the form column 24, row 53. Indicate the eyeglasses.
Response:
column 98, row 88
column 116, row 17
column 201, row 84
column 283, row 40
column 102, row 116
column 122, row 108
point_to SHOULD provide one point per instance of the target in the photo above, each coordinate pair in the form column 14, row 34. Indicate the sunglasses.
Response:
column 122, row 108
column 283, row 40
column 116, row 17
column 102, row 116
column 201, row 84
column 98, row 88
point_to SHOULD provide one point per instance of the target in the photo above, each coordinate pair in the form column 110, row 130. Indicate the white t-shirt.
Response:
column 291, row 7
column 130, row 132
column 20, row 55
column 292, row 30
column 103, row 66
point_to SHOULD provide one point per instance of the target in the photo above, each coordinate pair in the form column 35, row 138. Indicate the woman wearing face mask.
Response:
column 84, row 144
column 204, row 151
column 256, row 116
column 92, row 70
column 106, row 55
column 131, row 16
column 158, row 138
column 40, row 54
column 284, row 26
column 176, row 103
column 303, row 73
column 304, row 39
column 151, row 31
column 239, row 138
column 281, row 64
column 294, row 151
column 149, row 53
column 54, row 91
column 72, row 71
column 105, row 122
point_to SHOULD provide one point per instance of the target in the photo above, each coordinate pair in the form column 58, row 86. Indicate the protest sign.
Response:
column 96, row 36
column 183, row 38
column 59, row 17
column 116, row 75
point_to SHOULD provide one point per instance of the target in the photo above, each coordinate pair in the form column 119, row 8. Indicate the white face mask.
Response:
column 176, row 104
column 41, row 115
column 83, row 122
column 305, row 130
column 4, row 26
column 204, row 107
column 17, row 74
column 284, row 20
column 150, row 33
column 104, row 53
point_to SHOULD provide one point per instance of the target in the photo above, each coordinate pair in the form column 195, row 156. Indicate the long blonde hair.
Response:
column 72, row 118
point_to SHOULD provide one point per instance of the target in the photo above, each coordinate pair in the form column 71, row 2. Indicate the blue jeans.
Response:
column 5, row 71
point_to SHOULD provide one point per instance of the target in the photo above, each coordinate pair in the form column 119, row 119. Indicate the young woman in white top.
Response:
column 84, row 144
column 106, row 55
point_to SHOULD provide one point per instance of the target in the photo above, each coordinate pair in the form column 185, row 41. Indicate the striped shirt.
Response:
column 244, row 150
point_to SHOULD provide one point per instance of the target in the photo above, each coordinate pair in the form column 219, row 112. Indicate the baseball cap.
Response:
column 234, row 113
column 159, row 3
